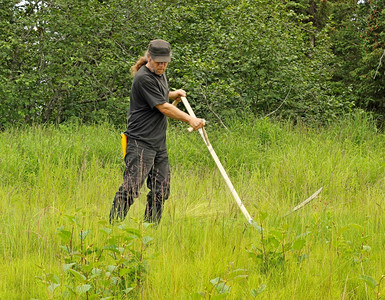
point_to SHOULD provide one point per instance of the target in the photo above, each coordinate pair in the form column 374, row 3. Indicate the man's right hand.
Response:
column 197, row 123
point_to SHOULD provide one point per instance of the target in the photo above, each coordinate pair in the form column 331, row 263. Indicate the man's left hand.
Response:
column 176, row 95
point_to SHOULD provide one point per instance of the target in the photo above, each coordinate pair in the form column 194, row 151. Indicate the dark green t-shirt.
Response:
column 145, row 122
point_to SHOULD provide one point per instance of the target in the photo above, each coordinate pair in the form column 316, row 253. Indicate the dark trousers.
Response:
column 143, row 163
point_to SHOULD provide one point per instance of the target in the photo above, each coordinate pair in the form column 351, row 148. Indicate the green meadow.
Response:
column 57, row 185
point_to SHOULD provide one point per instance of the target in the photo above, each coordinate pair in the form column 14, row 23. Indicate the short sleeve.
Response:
column 152, row 92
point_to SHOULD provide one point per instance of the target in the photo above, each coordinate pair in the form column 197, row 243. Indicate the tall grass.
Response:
column 330, row 249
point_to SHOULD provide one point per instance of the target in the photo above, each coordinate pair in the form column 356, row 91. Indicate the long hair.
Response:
column 140, row 62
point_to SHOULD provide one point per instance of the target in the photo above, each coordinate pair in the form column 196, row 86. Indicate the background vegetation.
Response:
column 64, row 66
column 304, row 59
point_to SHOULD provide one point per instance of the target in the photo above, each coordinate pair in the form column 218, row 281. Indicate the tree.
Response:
column 252, row 56
column 13, row 104
column 371, row 71
column 65, row 59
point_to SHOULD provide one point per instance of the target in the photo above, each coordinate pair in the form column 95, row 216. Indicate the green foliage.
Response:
column 254, row 58
column 372, row 283
column 93, row 270
column 277, row 247
column 220, row 287
column 61, row 60
column 371, row 71
column 65, row 59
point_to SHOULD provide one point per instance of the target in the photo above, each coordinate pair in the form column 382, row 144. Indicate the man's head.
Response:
column 159, row 55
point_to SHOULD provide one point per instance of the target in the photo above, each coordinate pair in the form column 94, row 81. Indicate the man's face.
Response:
column 157, row 67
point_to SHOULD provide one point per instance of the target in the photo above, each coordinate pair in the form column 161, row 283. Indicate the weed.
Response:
column 276, row 246
column 91, row 270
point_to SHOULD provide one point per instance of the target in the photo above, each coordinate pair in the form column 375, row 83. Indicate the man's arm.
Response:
column 175, row 113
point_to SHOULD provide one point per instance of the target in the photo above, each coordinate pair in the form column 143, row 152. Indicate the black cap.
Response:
column 159, row 50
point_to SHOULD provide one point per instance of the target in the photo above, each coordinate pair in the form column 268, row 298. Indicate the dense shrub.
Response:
column 61, row 60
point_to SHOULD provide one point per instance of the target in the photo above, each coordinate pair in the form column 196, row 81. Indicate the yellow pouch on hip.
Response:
column 124, row 143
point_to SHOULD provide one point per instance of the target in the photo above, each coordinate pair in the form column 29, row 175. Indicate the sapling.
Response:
column 91, row 269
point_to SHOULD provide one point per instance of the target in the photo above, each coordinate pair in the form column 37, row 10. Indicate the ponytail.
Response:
column 141, row 61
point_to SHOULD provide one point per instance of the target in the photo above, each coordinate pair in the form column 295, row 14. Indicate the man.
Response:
column 147, row 156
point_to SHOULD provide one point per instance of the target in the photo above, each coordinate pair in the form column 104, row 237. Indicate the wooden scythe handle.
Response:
column 203, row 134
